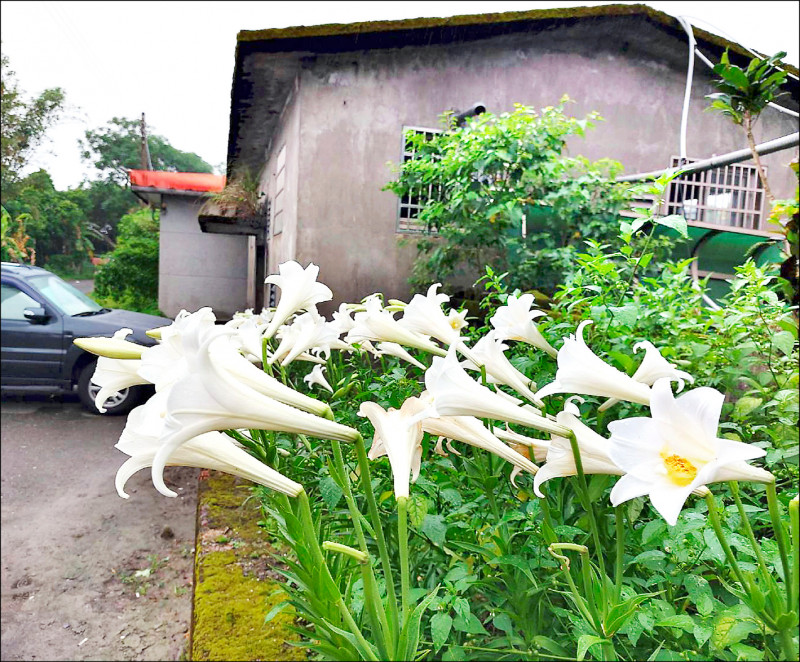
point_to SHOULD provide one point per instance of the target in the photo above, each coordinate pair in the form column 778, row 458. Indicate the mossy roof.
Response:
column 312, row 32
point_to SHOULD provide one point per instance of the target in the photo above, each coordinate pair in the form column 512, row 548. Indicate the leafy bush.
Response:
column 506, row 194
column 129, row 279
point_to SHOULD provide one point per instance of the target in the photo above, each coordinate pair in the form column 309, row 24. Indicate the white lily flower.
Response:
column 593, row 448
column 455, row 393
column 398, row 437
column 424, row 315
column 653, row 367
column 114, row 375
column 581, row 371
column 342, row 319
column 514, row 321
column 677, row 451
column 466, row 429
column 377, row 324
column 317, row 377
column 225, row 358
column 539, row 447
column 306, row 331
column 211, row 398
column 489, row 351
column 299, row 291
column 250, row 331
column 165, row 363
column 212, row 450
column 393, row 349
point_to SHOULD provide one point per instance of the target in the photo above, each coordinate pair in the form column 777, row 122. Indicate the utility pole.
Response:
column 147, row 164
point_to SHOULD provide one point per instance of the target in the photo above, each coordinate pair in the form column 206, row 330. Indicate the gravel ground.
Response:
column 87, row 575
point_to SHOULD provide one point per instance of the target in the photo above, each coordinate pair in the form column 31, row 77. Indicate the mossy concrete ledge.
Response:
column 234, row 579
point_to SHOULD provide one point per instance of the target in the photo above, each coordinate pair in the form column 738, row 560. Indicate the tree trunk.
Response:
column 748, row 129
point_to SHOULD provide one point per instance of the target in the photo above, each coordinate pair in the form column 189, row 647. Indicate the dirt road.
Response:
column 87, row 575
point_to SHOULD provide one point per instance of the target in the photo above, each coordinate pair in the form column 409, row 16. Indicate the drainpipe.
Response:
column 785, row 142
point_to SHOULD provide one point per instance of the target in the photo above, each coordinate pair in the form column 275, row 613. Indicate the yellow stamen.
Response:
column 679, row 469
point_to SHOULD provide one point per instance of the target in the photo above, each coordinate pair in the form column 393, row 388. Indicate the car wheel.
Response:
column 118, row 404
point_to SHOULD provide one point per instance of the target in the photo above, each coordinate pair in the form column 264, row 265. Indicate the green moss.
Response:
column 233, row 591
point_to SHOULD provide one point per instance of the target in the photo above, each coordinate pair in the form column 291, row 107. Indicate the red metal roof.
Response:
column 179, row 181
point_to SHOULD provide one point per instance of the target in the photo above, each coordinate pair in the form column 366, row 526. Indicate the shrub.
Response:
column 130, row 277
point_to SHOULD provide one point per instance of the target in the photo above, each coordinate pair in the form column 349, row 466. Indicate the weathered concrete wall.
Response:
column 198, row 269
column 352, row 107
column 280, row 181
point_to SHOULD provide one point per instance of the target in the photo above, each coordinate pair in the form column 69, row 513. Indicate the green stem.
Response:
column 734, row 486
column 780, row 538
column 587, row 504
column 794, row 521
column 580, row 602
column 377, row 613
column 620, row 559
column 787, row 643
column 383, row 550
column 316, row 551
column 402, row 535
column 638, row 262
column 355, row 514
column 713, row 515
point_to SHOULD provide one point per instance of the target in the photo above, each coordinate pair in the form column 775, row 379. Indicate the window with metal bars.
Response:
column 731, row 196
column 410, row 204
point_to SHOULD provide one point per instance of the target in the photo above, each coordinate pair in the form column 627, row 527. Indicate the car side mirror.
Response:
column 36, row 315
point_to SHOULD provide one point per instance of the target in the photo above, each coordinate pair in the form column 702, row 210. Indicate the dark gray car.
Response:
column 41, row 315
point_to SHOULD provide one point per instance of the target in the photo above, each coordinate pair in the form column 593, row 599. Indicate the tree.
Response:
column 52, row 220
column 115, row 147
column 504, row 193
column 23, row 125
column 744, row 93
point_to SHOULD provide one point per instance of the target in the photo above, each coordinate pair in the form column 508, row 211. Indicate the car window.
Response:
column 68, row 299
column 14, row 301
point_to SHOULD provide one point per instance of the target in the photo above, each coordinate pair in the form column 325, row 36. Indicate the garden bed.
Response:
column 235, row 579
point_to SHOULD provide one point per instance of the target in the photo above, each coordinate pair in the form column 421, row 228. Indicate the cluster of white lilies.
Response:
column 209, row 378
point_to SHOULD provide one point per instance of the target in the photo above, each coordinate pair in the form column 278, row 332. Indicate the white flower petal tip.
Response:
column 398, row 438
column 455, row 393
column 299, row 291
column 465, row 429
column 676, row 452
column 393, row 349
column 581, row 371
column 514, row 321
column 424, row 315
column 316, row 376
column 593, row 449
column 213, row 450
column 112, row 348
column 489, row 353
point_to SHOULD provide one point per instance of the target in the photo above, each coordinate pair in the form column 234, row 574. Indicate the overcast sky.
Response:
column 174, row 60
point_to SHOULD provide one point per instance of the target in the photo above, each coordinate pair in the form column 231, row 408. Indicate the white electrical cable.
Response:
column 683, row 20
column 694, row 19
column 687, row 95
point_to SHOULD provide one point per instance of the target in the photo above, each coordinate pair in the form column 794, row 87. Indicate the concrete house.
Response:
column 318, row 112
column 195, row 269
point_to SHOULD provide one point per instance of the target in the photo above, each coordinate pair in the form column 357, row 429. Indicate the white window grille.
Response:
column 410, row 204
column 731, row 196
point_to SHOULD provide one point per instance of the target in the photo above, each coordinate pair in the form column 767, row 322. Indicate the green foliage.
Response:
column 16, row 243
column 479, row 544
column 130, row 277
column 23, row 125
column 115, row 147
column 746, row 92
column 52, row 220
column 506, row 194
